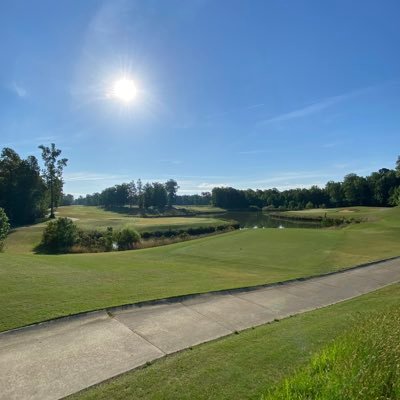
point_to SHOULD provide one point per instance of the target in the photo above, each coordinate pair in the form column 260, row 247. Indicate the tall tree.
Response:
column 139, row 187
column 23, row 193
column 53, row 172
column 172, row 188
column 132, row 193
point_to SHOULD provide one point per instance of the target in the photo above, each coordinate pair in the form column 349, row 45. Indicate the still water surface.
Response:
column 263, row 220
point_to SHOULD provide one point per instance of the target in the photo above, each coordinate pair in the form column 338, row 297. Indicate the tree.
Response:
column 159, row 195
column 171, row 187
column 23, row 193
column 335, row 193
column 4, row 227
column 398, row 166
column 59, row 235
column 139, row 188
column 53, row 172
column 67, row 200
column 132, row 193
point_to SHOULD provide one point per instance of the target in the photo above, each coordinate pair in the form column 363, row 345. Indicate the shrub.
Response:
column 59, row 235
column 4, row 227
column 127, row 238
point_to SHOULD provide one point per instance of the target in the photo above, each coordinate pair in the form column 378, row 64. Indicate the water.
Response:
column 260, row 220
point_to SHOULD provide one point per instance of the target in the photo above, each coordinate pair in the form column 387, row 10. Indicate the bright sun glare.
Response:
column 124, row 89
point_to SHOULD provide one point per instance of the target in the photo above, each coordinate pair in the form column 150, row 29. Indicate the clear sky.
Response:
column 270, row 93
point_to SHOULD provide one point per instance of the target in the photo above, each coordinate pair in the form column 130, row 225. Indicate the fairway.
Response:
column 35, row 287
column 98, row 218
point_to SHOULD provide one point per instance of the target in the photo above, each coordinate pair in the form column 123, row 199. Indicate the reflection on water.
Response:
column 257, row 220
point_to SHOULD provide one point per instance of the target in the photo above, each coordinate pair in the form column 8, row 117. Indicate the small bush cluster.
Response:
column 364, row 364
column 59, row 235
column 63, row 236
column 195, row 231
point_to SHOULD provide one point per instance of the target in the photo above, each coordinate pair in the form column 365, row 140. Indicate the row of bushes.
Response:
column 195, row 231
column 63, row 236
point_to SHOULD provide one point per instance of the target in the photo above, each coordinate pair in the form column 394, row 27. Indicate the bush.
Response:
column 4, row 227
column 59, row 235
column 127, row 238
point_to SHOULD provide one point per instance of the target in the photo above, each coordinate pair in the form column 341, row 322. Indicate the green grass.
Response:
column 247, row 365
column 361, row 212
column 202, row 209
column 38, row 287
column 98, row 218
column 363, row 364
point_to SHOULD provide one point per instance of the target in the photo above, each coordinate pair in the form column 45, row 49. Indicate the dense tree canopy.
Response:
column 381, row 188
column 23, row 192
column 154, row 194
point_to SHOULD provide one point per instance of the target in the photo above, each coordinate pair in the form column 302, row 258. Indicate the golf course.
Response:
column 38, row 287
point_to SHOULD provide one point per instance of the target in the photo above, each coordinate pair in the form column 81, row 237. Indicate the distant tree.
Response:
column 147, row 196
column 53, row 172
column 335, row 194
column 4, row 227
column 159, row 195
column 356, row 190
column 23, row 193
column 139, row 188
column 67, row 200
column 398, row 166
column 172, row 187
column 132, row 193
column 394, row 199
column 309, row 205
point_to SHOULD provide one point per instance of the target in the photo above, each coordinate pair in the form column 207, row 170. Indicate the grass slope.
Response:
column 246, row 365
column 38, row 287
column 363, row 364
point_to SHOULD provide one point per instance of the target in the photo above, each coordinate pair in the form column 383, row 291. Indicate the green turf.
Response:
column 38, row 287
column 361, row 212
column 246, row 365
column 98, row 218
column 362, row 364
column 202, row 209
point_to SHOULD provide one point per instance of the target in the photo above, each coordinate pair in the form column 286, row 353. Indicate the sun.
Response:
column 124, row 89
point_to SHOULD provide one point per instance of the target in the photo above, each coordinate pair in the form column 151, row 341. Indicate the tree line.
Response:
column 27, row 191
column 380, row 188
column 155, row 194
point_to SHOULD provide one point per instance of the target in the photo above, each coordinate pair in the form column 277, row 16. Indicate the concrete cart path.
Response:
column 57, row 358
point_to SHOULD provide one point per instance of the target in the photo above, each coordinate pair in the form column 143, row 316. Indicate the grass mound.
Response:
column 364, row 364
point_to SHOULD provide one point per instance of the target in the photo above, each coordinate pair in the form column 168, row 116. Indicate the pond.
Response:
column 264, row 220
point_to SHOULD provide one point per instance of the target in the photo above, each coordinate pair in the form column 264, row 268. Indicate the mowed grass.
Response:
column 98, row 218
column 37, row 287
column 361, row 212
column 247, row 365
column 202, row 209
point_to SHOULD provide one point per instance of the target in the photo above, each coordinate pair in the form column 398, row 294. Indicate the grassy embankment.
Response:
column 247, row 365
column 37, row 287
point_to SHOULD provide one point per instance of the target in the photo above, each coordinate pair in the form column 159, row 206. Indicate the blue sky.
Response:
column 244, row 93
